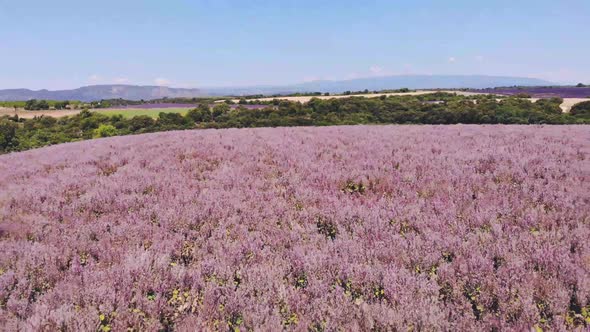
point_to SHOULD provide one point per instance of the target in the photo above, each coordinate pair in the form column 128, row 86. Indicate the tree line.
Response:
column 41, row 104
column 18, row 134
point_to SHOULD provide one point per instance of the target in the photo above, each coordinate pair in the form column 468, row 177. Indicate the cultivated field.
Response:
column 425, row 228
column 154, row 110
column 305, row 99
column 126, row 112
column 542, row 92
column 566, row 106
column 151, row 112
column 31, row 114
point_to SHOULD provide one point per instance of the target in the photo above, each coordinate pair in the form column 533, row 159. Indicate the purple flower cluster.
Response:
column 309, row 229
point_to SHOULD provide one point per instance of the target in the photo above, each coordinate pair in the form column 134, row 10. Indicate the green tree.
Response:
column 105, row 130
column 551, row 105
column 42, row 105
column 581, row 110
column 141, row 123
column 220, row 109
column 170, row 121
column 60, row 105
column 7, row 135
column 200, row 114
column 31, row 105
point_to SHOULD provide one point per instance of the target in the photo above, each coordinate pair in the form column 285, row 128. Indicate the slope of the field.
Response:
column 426, row 228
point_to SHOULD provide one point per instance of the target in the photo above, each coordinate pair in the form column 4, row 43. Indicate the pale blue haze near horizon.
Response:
column 66, row 44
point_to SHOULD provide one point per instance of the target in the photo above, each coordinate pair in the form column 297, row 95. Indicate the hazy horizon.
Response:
column 286, row 85
column 67, row 44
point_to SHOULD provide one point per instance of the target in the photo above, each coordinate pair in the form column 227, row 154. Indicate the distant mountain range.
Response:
column 386, row 82
column 133, row 92
column 98, row 92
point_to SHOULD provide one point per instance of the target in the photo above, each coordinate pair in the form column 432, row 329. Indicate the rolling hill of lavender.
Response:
column 383, row 228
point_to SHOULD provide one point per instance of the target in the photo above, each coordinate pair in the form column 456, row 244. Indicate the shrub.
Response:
column 8, row 138
column 36, row 105
column 200, row 114
column 141, row 123
column 105, row 130
column 581, row 109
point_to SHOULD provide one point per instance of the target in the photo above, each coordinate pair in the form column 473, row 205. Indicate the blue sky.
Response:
column 66, row 43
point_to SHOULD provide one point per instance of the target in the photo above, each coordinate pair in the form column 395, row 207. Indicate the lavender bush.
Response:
column 379, row 228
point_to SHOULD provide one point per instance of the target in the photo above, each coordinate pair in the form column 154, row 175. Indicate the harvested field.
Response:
column 305, row 99
column 31, row 114
column 151, row 112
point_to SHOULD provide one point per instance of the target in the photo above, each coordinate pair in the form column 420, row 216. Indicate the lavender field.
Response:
column 384, row 228
column 149, row 106
column 542, row 92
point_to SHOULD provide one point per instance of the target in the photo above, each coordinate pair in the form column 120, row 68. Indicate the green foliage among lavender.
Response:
column 374, row 228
